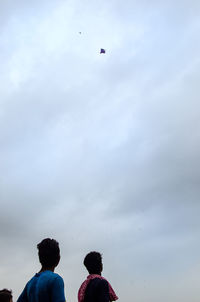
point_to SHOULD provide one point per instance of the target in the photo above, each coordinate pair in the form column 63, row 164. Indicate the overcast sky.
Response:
column 102, row 152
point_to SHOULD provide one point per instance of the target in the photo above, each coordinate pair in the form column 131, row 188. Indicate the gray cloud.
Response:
column 102, row 152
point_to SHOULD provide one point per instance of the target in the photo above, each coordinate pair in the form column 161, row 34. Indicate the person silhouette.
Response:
column 45, row 286
column 95, row 288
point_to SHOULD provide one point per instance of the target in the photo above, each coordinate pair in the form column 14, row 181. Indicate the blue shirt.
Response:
column 44, row 287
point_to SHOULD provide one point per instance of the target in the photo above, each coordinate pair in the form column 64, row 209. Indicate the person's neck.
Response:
column 47, row 269
column 99, row 273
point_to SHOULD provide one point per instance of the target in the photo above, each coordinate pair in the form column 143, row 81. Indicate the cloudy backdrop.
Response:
column 102, row 152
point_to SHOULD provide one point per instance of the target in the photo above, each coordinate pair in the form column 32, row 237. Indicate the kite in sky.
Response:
column 102, row 50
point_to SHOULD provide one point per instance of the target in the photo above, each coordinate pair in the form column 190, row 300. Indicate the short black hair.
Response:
column 93, row 262
column 49, row 252
column 5, row 295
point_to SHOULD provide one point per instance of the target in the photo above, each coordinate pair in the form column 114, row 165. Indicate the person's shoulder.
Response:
column 58, row 278
column 100, row 282
column 103, row 282
column 31, row 280
column 27, row 286
column 101, row 285
column 55, row 277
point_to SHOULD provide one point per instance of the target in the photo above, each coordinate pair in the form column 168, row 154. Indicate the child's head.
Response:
column 93, row 263
column 49, row 253
column 5, row 295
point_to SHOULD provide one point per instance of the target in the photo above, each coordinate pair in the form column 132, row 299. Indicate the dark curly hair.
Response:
column 49, row 252
column 93, row 262
column 5, row 295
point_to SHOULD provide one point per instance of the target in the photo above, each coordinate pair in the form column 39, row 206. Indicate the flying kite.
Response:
column 102, row 50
